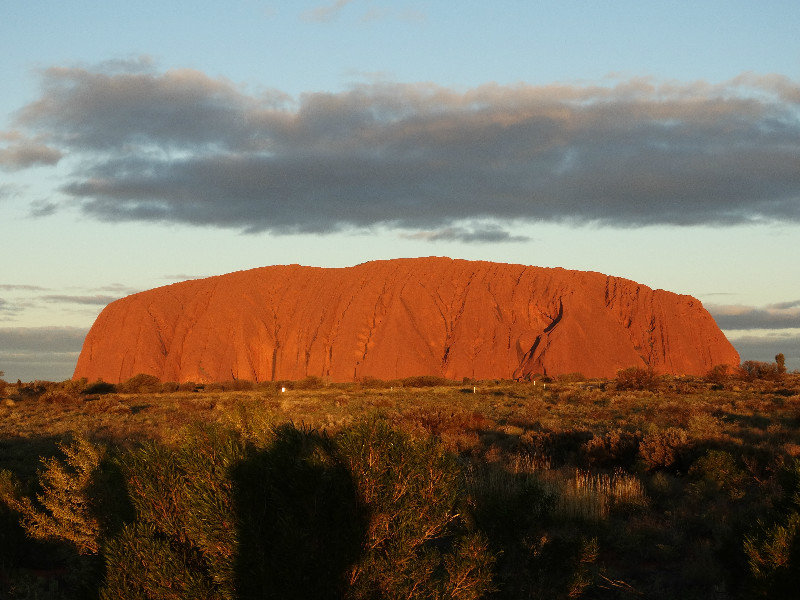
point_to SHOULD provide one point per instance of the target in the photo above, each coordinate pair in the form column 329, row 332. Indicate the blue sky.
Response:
column 144, row 143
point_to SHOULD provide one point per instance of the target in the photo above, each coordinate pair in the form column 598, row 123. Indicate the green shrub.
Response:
column 234, row 385
column 511, row 509
column 289, row 514
column 370, row 382
column 570, row 377
column 169, row 387
column 64, row 509
column 143, row 565
column 140, row 384
column 184, row 497
column 59, row 396
column 719, row 375
column 505, row 504
column 752, row 370
column 99, row 387
column 780, row 362
column 368, row 513
column 773, row 557
column 636, row 378
column 425, row 381
column 417, row 545
column 617, row 448
column 663, row 448
column 302, row 526
column 311, row 382
column 773, row 547
column 12, row 534
column 716, row 472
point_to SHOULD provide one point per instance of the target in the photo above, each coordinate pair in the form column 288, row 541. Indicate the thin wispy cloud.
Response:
column 481, row 234
column 326, row 12
column 182, row 147
column 97, row 299
column 10, row 310
column 182, row 277
column 119, row 288
column 4, row 306
column 21, row 287
column 43, row 208
column 383, row 14
column 8, row 190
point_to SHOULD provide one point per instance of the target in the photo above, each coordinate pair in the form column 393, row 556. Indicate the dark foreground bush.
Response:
column 663, row 448
column 368, row 513
column 773, row 547
column 100, row 387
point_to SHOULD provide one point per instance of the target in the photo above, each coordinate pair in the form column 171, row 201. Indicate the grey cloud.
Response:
column 765, row 347
column 43, row 366
column 119, row 288
column 7, row 309
column 16, row 286
column 481, row 234
column 22, row 156
column 8, row 190
column 182, row 147
column 42, row 339
column 43, row 208
column 785, row 305
column 48, row 353
column 97, row 299
column 141, row 112
column 780, row 316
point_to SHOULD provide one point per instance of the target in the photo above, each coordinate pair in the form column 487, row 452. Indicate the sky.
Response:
column 147, row 143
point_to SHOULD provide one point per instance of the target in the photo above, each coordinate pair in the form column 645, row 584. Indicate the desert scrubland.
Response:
column 640, row 486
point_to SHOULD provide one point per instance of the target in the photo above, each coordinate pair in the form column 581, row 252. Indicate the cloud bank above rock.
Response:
column 182, row 147
column 783, row 315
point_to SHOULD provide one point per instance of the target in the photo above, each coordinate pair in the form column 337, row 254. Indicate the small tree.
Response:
column 780, row 360
column 64, row 509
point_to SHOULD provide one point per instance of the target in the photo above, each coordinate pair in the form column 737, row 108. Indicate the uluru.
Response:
column 399, row 318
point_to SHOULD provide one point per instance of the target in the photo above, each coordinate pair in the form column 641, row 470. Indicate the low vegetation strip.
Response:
column 656, row 487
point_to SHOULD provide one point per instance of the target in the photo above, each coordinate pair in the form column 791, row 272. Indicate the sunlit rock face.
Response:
column 399, row 318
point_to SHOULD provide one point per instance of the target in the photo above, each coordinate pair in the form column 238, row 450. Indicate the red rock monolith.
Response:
column 399, row 318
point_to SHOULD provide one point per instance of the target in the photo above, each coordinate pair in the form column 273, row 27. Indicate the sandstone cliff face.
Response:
column 398, row 318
